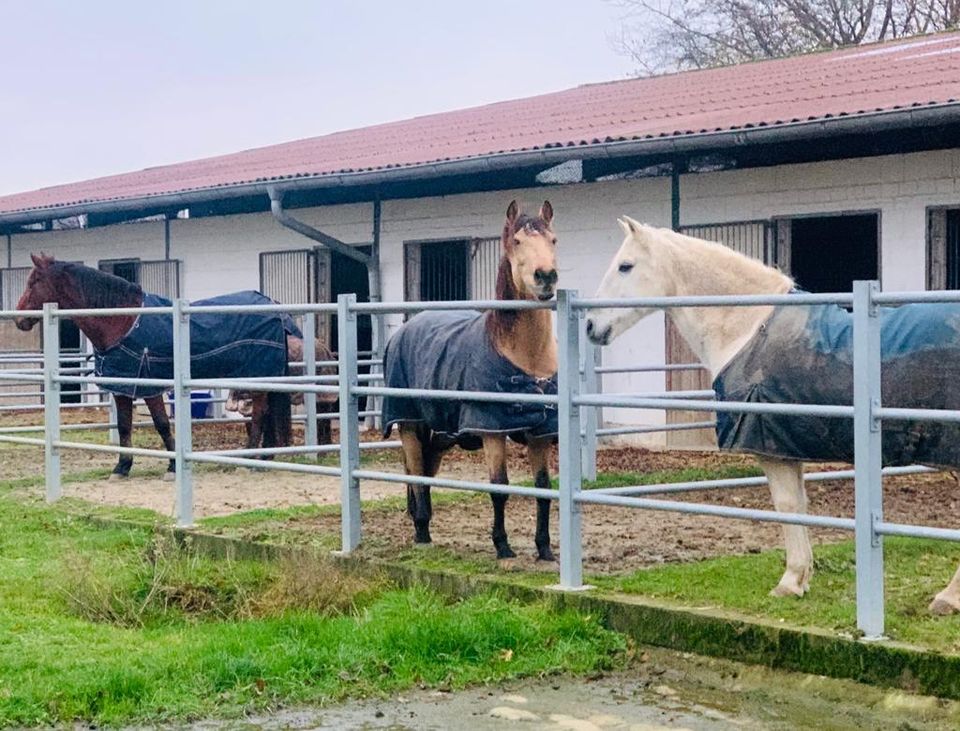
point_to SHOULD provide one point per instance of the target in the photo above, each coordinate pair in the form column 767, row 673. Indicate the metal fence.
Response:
column 573, row 402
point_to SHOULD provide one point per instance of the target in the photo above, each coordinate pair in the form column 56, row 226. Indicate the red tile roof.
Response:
column 882, row 77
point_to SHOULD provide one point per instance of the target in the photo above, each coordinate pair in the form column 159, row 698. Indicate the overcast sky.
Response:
column 106, row 86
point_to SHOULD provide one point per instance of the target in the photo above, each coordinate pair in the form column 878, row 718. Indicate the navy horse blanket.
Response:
column 805, row 355
column 452, row 351
column 244, row 345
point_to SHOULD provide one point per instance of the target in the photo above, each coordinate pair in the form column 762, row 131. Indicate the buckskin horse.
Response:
column 791, row 354
column 251, row 345
column 500, row 350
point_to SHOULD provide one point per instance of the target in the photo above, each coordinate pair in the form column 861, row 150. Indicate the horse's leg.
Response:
column 414, row 440
column 948, row 600
column 538, row 452
column 257, row 413
column 495, row 453
column 324, row 426
column 124, row 428
column 158, row 412
column 789, row 496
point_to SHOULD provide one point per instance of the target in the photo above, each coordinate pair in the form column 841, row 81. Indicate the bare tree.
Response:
column 668, row 35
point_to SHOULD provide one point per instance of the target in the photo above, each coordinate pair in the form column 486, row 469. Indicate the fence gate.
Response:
column 298, row 276
column 750, row 238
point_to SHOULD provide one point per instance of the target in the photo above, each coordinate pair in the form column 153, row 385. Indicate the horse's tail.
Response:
column 277, row 420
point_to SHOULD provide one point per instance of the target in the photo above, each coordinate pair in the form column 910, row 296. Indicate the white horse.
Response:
column 656, row 262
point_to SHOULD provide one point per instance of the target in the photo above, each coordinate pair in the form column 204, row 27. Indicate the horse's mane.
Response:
column 100, row 289
column 752, row 276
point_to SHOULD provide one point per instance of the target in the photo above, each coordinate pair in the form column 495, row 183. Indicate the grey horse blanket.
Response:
column 452, row 351
column 221, row 346
column 805, row 355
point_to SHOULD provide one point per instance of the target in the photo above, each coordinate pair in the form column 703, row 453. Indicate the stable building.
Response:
column 833, row 166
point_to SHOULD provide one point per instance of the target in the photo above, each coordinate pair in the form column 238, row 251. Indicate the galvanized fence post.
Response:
column 588, row 414
column 112, row 416
column 51, row 400
column 182, row 416
column 349, row 423
column 310, row 369
column 568, row 387
column 868, row 480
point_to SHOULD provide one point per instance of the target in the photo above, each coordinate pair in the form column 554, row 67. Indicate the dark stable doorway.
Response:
column 349, row 276
column 829, row 253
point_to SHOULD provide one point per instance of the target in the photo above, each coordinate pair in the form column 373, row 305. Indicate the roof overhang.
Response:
column 880, row 132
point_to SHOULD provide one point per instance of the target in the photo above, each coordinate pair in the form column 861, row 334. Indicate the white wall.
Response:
column 221, row 254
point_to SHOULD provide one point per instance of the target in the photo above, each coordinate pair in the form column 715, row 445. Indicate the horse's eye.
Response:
column 554, row 241
column 626, row 267
column 516, row 242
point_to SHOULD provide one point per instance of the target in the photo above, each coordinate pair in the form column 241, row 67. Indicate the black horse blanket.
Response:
column 452, row 351
column 221, row 346
column 805, row 355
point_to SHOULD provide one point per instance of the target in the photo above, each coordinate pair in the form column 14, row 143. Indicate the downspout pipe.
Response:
column 288, row 221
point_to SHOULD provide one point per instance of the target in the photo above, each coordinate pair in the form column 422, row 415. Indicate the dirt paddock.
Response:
column 614, row 538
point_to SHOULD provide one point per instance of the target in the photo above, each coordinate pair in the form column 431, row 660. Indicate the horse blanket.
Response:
column 221, row 346
column 452, row 351
column 805, row 355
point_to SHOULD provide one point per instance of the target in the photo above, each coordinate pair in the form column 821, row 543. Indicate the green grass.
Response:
column 692, row 474
column 99, row 625
column 915, row 571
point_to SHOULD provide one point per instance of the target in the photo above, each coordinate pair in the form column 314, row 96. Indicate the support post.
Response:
column 112, row 416
column 349, row 423
column 677, row 168
column 568, row 387
column 183, row 504
column 310, row 369
column 51, row 400
column 589, row 414
column 868, row 459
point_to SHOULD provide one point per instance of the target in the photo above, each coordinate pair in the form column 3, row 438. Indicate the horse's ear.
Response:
column 546, row 213
column 42, row 261
column 630, row 226
column 513, row 211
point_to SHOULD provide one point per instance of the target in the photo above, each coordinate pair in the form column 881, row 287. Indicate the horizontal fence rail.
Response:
column 578, row 400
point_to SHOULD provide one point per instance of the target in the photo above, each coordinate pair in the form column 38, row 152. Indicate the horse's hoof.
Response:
column 787, row 590
column 422, row 545
column 508, row 564
column 546, row 555
column 505, row 552
column 117, row 476
column 169, row 476
column 942, row 606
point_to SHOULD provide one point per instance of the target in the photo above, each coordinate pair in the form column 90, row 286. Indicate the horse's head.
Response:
column 631, row 274
column 43, row 285
column 530, row 251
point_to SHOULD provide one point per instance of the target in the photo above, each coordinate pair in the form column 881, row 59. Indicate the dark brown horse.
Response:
column 464, row 351
column 244, row 402
column 73, row 286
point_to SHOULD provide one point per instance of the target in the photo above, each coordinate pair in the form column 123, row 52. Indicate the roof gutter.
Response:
column 676, row 145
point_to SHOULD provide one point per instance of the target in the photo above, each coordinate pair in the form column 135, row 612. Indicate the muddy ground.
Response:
column 615, row 539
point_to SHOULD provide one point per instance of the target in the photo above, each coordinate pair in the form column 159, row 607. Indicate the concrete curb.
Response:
column 715, row 632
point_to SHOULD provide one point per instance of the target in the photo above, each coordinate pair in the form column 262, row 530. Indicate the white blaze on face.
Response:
column 629, row 275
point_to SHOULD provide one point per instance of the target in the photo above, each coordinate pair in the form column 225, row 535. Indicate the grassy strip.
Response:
column 110, row 627
column 691, row 474
column 915, row 571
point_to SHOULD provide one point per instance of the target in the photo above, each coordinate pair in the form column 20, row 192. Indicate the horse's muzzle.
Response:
column 25, row 323
column 598, row 337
